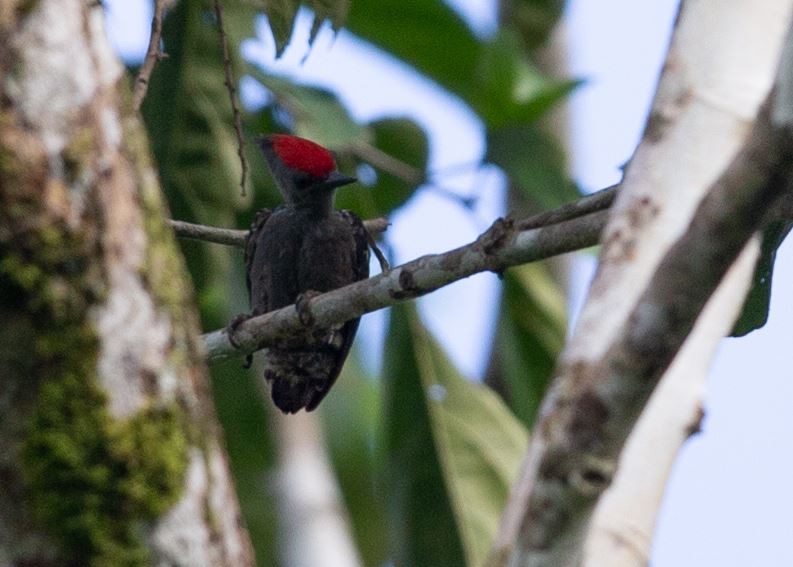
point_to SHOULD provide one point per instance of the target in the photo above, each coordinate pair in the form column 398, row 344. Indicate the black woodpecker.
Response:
column 297, row 250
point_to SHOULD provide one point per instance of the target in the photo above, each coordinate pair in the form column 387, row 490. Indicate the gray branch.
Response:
column 501, row 246
column 236, row 237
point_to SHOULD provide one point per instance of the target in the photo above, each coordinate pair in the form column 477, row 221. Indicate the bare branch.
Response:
column 598, row 201
column 498, row 248
column 407, row 173
column 388, row 163
column 236, row 237
column 227, row 236
column 231, row 85
column 153, row 54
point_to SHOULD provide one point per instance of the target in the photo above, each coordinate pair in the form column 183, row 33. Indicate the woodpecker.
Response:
column 297, row 250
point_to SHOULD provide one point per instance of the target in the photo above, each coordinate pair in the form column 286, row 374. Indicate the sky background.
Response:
column 729, row 499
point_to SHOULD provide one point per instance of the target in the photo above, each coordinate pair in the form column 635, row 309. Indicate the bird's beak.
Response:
column 336, row 179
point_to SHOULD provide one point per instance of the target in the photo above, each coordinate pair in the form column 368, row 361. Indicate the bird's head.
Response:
column 304, row 171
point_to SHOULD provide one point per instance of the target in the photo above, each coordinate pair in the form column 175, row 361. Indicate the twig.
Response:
column 231, row 86
column 382, row 160
column 153, row 54
column 236, row 237
column 498, row 248
column 407, row 173
column 227, row 236
column 598, row 201
column 384, row 266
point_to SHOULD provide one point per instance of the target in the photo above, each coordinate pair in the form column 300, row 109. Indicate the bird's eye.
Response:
column 305, row 180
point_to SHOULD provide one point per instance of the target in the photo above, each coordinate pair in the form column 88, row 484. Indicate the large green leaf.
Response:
column 530, row 335
column 426, row 34
column 755, row 308
column 494, row 76
column 452, row 451
column 314, row 113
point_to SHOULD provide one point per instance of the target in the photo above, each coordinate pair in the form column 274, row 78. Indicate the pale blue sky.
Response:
column 730, row 497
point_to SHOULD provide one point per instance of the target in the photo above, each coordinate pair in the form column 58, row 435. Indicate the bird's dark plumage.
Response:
column 290, row 251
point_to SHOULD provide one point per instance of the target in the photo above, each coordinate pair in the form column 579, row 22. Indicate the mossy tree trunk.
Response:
column 111, row 453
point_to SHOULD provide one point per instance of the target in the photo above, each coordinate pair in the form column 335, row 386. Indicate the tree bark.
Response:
column 699, row 185
column 111, row 450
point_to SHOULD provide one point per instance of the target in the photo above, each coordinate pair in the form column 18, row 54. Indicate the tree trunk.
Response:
column 111, row 450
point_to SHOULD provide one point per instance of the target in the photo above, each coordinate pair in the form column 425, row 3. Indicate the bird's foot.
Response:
column 231, row 331
column 303, row 306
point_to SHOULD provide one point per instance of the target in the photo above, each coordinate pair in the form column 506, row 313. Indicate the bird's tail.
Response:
column 300, row 378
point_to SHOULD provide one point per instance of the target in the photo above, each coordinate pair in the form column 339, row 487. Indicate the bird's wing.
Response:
column 360, row 262
column 251, row 239
column 360, row 268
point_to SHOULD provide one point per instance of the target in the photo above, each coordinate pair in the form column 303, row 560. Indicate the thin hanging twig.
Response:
column 232, row 89
column 153, row 54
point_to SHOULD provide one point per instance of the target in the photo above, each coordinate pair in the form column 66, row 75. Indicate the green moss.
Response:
column 9, row 166
column 27, row 276
column 79, row 154
column 95, row 481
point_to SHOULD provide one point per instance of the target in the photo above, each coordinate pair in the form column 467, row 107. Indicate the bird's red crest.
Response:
column 303, row 155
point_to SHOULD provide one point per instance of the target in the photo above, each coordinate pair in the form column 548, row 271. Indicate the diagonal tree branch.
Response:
column 501, row 246
column 598, row 201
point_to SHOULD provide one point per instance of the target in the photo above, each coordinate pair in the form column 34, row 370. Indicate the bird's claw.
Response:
column 303, row 306
column 231, row 330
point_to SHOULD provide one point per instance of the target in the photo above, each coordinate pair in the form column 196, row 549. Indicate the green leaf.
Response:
column 282, row 15
column 428, row 35
column 452, row 450
column 534, row 163
column 755, row 308
column 534, row 20
column 316, row 113
column 399, row 155
column 530, row 335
